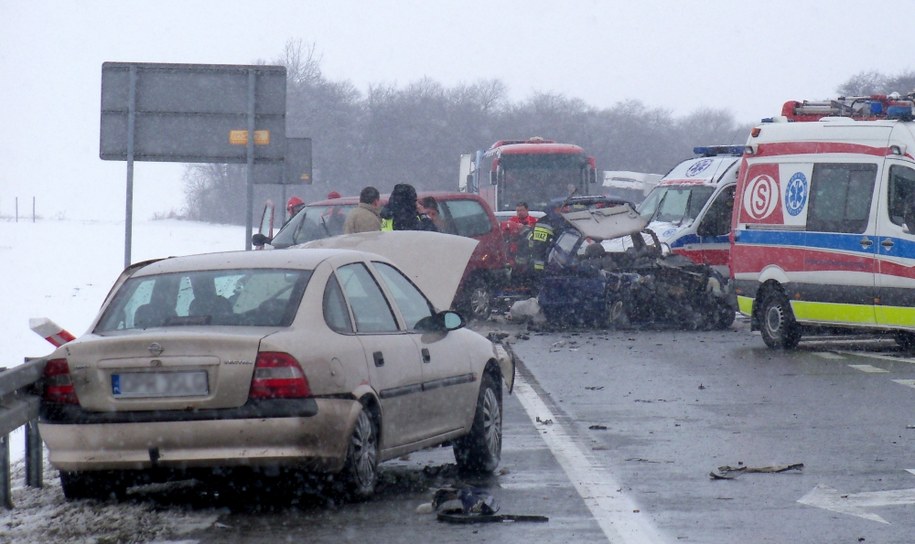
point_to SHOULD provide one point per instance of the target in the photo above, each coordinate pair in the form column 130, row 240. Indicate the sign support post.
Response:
column 131, row 128
column 249, row 169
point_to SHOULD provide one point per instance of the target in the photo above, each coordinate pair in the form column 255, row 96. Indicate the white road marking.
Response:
column 909, row 360
column 907, row 383
column 828, row 355
column 868, row 368
column 856, row 504
column 617, row 514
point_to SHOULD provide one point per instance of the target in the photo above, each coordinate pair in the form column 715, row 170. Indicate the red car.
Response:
column 463, row 214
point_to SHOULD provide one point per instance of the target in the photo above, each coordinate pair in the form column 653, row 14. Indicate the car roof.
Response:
column 305, row 260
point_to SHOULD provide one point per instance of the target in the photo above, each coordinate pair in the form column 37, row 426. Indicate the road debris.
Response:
column 727, row 472
column 470, row 505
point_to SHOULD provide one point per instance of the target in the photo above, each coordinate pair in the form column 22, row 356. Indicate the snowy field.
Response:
column 63, row 269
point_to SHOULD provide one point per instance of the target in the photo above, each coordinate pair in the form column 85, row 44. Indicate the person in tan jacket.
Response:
column 365, row 216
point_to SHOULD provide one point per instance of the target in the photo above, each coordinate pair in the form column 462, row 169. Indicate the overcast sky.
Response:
column 746, row 57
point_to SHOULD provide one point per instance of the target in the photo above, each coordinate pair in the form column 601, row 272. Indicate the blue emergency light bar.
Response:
column 903, row 113
column 715, row 150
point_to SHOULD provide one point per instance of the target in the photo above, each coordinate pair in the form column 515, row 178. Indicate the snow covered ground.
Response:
column 62, row 269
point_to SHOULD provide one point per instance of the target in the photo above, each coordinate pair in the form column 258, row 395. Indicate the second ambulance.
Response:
column 824, row 220
column 690, row 208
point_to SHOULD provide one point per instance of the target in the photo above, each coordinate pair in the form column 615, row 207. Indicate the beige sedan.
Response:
column 324, row 360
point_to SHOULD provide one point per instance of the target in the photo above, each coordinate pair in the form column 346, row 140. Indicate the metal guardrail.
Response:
column 19, row 404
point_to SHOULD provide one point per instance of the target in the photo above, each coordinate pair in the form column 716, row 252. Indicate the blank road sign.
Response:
column 193, row 112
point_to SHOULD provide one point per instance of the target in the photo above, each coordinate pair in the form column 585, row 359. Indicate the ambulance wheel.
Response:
column 777, row 325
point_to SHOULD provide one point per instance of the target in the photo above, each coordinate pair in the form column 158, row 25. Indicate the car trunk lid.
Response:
column 168, row 370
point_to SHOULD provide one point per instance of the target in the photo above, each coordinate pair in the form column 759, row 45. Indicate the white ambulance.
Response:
column 824, row 229
column 690, row 208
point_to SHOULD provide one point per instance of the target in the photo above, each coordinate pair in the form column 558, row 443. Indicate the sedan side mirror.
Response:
column 448, row 320
column 259, row 239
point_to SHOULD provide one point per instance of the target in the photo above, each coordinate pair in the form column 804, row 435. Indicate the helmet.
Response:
column 332, row 195
column 293, row 202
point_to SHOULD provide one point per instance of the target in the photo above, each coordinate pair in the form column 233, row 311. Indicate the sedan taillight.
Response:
column 58, row 387
column 278, row 376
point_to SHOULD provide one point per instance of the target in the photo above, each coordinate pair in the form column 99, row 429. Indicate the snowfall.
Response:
column 62, row 269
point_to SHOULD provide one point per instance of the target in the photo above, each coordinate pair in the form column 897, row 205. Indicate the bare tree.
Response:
column 416, row 133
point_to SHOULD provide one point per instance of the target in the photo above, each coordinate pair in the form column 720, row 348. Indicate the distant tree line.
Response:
column 416, row 134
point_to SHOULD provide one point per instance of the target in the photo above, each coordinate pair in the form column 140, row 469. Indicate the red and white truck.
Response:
column 534, row 171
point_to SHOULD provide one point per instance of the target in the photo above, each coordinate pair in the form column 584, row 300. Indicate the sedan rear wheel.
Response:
column 360, row 473
column 481, row 450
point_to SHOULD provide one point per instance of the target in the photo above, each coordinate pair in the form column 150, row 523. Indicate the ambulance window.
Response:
column 840, row 197
column 901, row 197
column 717, row 221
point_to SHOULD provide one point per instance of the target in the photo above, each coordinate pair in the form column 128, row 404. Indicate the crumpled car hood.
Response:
column 435, row 261
column 606, row 223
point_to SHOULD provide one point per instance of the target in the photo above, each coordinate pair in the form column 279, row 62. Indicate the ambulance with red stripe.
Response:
column 824, row 221
column 690, row 207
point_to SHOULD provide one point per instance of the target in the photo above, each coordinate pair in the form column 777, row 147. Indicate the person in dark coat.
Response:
column 402, row 212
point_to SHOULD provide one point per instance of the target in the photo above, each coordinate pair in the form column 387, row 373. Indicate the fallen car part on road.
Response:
column 727, row 472
column 488, row 518
column 470, row 505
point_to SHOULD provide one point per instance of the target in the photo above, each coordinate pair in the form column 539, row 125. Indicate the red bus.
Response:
column 535, row 171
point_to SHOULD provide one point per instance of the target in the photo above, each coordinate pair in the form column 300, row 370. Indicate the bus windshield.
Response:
column 678, row 204
column 537, row 179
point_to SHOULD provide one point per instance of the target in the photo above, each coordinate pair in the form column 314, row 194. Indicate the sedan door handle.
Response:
column 887, row 244
column 426, row 355
column 379, row 358
column 866, row 243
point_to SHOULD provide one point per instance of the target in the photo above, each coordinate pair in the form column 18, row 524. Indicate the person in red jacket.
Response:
column 522, row 216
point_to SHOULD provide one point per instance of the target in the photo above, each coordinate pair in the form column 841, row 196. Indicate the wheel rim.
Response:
column 775, row 319
column 365, row 450
column 492, row 422
column 479, row 301
column 618, row 313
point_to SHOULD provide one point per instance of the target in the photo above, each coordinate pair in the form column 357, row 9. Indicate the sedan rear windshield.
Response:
column 240, row 297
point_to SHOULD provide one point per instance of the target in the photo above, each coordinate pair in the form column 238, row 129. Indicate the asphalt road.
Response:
column 613, row 435
column 678, row 405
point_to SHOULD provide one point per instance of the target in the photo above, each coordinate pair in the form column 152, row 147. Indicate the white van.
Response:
column 690, row 208
column 824, row 227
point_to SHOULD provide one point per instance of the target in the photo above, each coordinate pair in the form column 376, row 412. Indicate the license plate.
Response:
column 159, row 384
